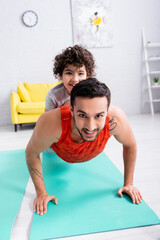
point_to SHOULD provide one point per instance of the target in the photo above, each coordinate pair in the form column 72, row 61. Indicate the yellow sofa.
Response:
column 28, row 103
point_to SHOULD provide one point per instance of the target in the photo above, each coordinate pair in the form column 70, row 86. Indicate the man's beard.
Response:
column 84, row 129
column 87, row 140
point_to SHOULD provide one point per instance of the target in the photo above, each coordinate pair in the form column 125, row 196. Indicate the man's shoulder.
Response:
column 116, row 118
column 50, row 123
column 51, row 116
column 115, row 111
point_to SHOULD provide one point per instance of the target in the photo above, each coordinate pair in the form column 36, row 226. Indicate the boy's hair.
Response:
column 76, row 55
column 90, row 88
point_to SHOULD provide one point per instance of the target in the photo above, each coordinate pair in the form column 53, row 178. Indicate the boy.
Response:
column 73, row 65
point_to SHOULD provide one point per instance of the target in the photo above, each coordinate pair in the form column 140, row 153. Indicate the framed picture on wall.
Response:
column 91, row 23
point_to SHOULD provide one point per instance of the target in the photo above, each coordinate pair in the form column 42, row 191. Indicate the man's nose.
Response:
column 91, row 125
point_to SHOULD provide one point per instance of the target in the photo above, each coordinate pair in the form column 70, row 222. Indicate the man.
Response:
column 79, row 133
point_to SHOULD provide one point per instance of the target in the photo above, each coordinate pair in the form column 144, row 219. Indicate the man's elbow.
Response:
column 132, row 146
column 28, row 153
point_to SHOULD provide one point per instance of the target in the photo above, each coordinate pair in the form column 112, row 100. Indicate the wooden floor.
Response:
column 147, row 177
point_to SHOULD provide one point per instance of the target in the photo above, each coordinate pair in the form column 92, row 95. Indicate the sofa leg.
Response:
column 15, row 127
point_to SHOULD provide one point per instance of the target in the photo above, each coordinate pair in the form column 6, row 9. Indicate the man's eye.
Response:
column 82, row 115
column 99, row 116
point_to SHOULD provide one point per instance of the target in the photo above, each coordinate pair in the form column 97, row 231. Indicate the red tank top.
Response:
column 73, row 152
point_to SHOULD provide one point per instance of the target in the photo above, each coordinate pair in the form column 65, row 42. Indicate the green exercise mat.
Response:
column 13, row 180
column 87, row 200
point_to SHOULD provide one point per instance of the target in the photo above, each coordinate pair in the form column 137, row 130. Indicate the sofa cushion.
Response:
column 31, row 107
column 23, row 93
column 38, row 91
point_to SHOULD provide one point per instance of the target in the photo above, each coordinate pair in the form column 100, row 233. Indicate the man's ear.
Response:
column 71, row 108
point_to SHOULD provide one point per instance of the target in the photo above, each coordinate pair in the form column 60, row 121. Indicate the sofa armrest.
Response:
column 14, row 100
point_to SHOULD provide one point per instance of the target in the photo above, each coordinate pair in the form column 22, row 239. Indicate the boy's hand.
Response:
column 132, row 191
column 67, row 103
column 41, row 201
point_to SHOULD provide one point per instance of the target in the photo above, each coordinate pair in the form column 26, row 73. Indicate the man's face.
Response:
column 72, row 75
column 89, row 116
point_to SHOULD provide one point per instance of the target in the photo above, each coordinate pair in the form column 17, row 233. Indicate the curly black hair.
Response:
column 76, row 55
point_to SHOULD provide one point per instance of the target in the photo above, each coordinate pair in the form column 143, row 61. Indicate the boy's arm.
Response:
column 121, row 130
column 46, row 132
column 68, row 102
column 50, row 101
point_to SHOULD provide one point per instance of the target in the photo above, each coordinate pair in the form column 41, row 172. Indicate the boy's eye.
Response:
column 81, row 73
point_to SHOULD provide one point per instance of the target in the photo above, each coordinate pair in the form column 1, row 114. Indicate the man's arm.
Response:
column 121, row 130
column 46, row 132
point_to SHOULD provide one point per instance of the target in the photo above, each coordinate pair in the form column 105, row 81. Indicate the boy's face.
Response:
column 72, row 75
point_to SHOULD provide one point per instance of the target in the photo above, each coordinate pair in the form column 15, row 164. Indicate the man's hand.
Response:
column 41, row 201
column 132, row 191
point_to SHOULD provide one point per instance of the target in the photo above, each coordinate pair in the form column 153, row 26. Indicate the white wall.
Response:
column 121, row 66
column 26, row 54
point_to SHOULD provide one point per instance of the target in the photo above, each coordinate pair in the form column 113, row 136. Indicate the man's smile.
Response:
column 88, row 133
